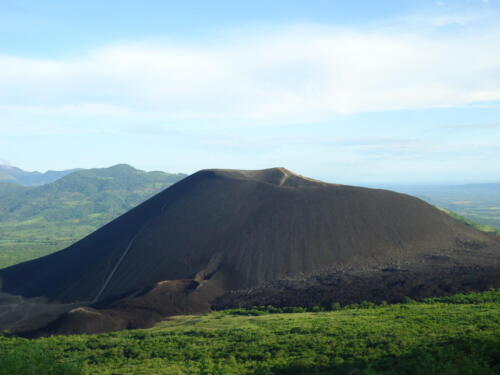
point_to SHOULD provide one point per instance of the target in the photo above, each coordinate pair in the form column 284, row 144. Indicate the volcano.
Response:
column 222, row 238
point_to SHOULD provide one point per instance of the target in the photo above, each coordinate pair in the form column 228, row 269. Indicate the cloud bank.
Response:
column 294, row 74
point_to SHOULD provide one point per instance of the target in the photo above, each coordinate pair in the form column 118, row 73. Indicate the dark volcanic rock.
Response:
column 220, row 231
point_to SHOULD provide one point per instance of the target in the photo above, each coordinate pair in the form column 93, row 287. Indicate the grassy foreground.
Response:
column 452, row 335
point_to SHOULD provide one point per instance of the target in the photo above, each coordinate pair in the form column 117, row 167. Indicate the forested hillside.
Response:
column 35, row 221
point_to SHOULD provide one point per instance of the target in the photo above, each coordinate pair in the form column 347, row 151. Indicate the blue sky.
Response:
column 359, row 92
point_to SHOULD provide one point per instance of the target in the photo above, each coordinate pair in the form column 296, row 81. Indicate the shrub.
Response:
column 294, row 309
column 335, row 306
column 27, row 359
column 408, row 300
column 366, row 305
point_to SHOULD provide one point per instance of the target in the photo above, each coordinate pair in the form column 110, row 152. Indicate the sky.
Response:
column 359, row 92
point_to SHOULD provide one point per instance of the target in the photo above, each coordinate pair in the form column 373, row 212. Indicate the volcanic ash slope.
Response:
column 233, row 237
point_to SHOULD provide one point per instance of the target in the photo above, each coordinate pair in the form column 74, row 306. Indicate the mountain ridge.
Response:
column 17, row 175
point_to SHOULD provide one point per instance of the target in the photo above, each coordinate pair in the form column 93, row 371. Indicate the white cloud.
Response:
column 440, row 20
column 298, row 74
column 80, row 109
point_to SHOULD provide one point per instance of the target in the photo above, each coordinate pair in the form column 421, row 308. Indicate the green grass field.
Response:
column 453, row 335
column 20, row 242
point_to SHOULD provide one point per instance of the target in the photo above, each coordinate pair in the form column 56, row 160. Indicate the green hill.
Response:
column 449, row 335
column 35, row 221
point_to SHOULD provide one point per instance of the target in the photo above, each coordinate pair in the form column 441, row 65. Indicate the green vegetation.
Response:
column 449, row 335
column 36, row 221
column 27, row 359
column 473, row 224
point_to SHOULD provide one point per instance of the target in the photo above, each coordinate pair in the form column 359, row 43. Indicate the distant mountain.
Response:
column 477, row 202
column 18, row 176
column 37, row 220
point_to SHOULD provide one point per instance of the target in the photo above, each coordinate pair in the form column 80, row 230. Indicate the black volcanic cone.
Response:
column 243, row 229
